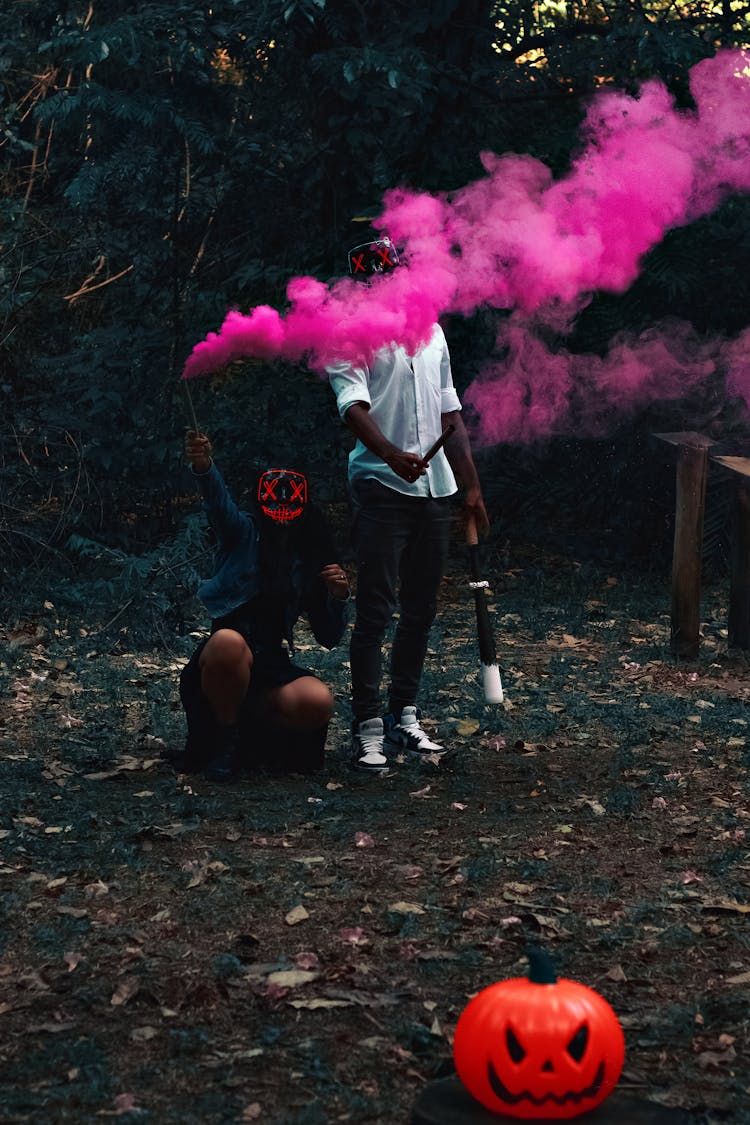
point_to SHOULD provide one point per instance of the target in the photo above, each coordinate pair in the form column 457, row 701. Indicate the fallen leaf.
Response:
column 143, row 1034
column 96, row 889
column 727, row 906
column 291, row 978
column 712, row 1060
column 496, row 743
column 296, row 915
column 616, row 973
column 126, row 990
column 363, row 840
column 740, row 978
column 306, row 959
column 518, row 889
column 124, row 1103
column 354, row 936
column 467, row 726
column 406, row 908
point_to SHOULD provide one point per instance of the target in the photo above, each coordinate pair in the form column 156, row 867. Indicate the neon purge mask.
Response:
column 282, row 494
column 371, row 258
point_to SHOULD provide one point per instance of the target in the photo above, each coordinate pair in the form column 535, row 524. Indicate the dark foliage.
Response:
column 163, row 162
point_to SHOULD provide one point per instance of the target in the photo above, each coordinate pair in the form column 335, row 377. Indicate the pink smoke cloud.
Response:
column 536, row 392
column 736, row 357
column 519, row 240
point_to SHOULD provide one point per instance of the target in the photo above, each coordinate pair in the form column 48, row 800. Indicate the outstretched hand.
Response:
column 198, row 451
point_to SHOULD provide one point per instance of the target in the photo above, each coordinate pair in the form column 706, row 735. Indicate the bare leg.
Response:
column 225, row 665
column 304, row 704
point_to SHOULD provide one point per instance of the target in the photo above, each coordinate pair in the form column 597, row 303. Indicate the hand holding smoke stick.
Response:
column 410, row 466
column 197, row 445
column 491, row 681
column 198, row 451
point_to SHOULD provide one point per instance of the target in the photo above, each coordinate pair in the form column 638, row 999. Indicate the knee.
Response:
column 417, row 616
column 317, row 705
column 311, row 705
column 371, row 622
column 226, row 648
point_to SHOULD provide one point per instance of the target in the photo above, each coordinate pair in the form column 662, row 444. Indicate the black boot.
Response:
column 224, row 763
column 302, row 751
column 187, row 760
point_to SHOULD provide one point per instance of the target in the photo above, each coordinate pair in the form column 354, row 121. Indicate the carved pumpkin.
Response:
column 539, row 1047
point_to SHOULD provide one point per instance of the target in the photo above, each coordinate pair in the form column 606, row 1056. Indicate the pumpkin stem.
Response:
column 541, row 969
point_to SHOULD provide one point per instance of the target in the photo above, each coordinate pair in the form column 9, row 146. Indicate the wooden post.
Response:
column 692, row 469
column 739, row 583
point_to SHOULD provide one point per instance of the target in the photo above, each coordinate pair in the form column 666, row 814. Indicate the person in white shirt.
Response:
column 397, row 406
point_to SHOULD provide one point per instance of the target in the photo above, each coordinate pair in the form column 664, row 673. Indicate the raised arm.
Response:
column 223, row 514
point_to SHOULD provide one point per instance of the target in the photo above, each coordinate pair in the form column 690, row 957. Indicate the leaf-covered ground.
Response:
column 297, row 951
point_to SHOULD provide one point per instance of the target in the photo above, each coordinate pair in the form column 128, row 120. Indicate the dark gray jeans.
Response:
column 399, row 541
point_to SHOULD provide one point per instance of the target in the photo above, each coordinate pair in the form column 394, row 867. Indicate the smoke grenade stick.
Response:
column 191, row 408
column 491, row 681
column 439, row 443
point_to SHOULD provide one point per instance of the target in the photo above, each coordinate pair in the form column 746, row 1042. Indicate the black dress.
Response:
column 291, row 587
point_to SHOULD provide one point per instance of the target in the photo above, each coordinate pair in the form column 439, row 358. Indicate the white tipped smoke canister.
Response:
column 492, row 683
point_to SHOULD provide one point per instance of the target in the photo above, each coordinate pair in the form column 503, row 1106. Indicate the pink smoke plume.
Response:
column 519, row 240
column 536, row 392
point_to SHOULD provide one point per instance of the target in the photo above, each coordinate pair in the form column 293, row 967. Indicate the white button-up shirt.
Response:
column 406, row 396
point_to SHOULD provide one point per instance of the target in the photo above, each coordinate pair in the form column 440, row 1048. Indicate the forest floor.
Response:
column 297, row 951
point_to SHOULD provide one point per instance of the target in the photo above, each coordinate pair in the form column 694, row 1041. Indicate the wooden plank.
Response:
column 692, row 470
column 690, row 438
column 739, row 465
column 739, row 584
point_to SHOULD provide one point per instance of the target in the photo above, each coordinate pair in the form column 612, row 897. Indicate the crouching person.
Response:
column 247, row 705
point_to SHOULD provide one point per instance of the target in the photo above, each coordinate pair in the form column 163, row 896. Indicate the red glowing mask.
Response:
column 282, row 494
column 371, row 258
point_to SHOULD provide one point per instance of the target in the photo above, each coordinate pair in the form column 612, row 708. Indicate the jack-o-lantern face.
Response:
column 282, row 494
column 532, row 1048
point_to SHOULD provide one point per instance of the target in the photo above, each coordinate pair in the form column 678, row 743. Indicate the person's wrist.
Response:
column 200, row 468
column 336, row 598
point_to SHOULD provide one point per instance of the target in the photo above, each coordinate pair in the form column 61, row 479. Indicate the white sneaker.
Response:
column 367, row 746
column 407, row 735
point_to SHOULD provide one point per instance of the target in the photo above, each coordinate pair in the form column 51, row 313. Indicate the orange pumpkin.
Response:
column 538, row 1046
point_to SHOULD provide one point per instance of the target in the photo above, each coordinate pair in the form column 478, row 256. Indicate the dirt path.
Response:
column 298, row 951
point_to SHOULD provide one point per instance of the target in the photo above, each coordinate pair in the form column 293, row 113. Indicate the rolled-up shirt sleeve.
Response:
column 350, row 385
column 449, row 399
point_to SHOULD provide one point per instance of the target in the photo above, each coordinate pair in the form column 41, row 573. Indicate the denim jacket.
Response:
column 235, row 577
